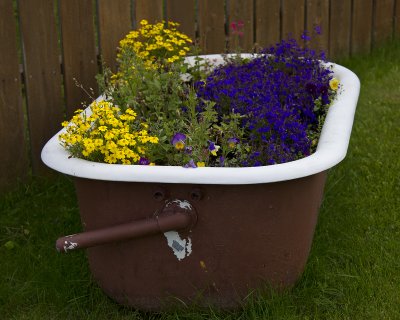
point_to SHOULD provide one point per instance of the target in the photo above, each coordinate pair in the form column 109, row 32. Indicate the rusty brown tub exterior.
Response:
column 245, row 237
column 163, row 235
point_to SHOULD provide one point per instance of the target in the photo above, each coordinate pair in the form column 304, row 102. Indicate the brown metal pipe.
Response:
column 172, row 217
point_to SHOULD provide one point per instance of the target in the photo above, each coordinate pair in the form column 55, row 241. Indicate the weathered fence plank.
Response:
column 42, row 74
column 115, row 21
column 14, row 163
column 396, row 31
column 293, row 12
column 151, row 10
column 183, row 12
column 241, row 25
column 361, row 30
column 340, row 26
column 267, row 16
column 79, row 51
column 318, row 17
column 383, row 21
column 212, row 26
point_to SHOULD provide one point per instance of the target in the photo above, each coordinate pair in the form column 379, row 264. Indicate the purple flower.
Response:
column 188, row 150
column 232, row 142
column 144, row 161
column 222, row 161
column 276, row 95
column 190, row 164
column 305, row 36
column 178, row 141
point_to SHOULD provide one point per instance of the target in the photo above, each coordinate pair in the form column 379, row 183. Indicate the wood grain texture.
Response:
column 318, row 16
column 383, row 21
column 267, row 15
column 115, row 21
column 212, row 26
column 183, row 12
column 361, row 31
column 151, row 10
column 14, row 164
column 396, row 31
column 42, row 74
column 79, row 51
column 293, row 17
column 339, row 35
column 241, row 25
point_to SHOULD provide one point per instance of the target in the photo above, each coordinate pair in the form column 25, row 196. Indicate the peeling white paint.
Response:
column 181, row 248
column 68, row 245
column 183, row 204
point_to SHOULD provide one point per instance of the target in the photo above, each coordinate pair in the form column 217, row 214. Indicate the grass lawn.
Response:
column 353, row 271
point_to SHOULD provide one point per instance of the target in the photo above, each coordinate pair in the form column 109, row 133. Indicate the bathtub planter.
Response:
column 162, row 234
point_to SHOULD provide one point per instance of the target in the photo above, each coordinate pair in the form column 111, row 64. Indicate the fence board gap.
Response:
column 79, row 52
column 14, row 164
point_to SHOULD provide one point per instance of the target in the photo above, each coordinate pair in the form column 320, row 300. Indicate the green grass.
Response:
column 353, row 271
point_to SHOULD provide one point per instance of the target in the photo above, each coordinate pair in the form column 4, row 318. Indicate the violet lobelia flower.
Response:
column 178, row 141
column 276, row 95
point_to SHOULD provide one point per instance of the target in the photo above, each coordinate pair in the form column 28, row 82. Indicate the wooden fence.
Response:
column 45, row 45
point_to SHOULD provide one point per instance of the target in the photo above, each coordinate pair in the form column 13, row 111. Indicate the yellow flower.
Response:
column 334, row 84
column 201, row 164
column 180, row 145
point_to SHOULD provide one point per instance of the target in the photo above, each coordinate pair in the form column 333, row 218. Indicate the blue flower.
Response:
column 276, row 95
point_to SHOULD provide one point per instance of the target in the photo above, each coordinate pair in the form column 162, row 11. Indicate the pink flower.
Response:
column 237, row 28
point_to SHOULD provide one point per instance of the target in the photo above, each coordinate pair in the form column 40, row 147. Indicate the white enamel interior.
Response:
column 331, row 149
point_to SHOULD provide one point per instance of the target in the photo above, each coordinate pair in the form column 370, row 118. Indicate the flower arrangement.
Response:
column 158, row 109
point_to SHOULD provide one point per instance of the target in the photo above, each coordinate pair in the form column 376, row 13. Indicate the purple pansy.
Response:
column 144, row 161
column 213, row 148
column 178, row 141
column 190, row 164
column 232, row 142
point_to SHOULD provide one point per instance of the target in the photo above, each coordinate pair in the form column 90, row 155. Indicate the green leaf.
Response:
column 10, row 245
